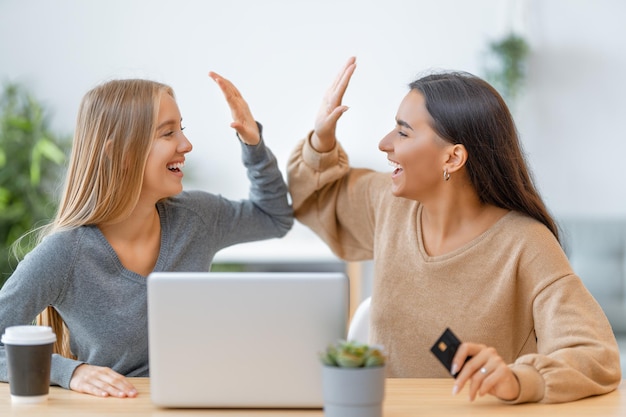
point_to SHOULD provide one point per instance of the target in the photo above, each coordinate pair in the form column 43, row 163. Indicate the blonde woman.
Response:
column 124, row 214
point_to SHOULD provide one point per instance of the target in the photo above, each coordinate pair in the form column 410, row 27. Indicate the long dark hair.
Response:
column 467, row 110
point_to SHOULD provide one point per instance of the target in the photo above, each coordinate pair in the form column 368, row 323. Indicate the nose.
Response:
column 386, row 144
column 184, row 146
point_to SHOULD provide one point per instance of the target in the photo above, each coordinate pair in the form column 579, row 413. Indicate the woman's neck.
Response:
column 137, row 239
column 451, row 223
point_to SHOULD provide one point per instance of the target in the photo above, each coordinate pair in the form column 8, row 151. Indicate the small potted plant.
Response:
column 353, row 379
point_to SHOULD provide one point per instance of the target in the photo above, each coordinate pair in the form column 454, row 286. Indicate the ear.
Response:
column 456, row 158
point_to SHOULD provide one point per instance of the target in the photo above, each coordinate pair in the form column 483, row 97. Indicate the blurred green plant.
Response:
column 31, row 163
column 352, row 354
column 507, row 65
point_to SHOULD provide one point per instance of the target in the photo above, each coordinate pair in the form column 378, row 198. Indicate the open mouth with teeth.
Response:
column 397, row 168
column 176, row 167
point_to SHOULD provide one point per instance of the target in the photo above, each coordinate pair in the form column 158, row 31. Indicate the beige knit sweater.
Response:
column 511, row 288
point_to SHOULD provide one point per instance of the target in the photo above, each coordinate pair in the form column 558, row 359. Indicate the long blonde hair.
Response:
column 115, row 127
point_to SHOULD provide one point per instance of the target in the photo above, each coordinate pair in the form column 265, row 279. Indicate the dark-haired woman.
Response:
column 460, row 238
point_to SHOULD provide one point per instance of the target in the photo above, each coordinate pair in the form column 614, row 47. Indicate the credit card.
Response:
column 445, row 348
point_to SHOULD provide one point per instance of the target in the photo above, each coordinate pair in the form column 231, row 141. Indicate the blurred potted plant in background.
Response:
column 353, row 379
column 507, row 63
column 31, row 162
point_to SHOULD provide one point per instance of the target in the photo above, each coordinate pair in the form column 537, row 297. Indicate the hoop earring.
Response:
column 446, row 175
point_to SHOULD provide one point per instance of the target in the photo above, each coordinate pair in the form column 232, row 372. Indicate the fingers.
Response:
column 331, row 110
column 344, row 79
column 323, row 138
column 335, row 93
column 475, row 370
column 228, row 88
column 340, row 74
column 243, row 121
column 101, row 382
column 486, row 372
column 462, row 354
column 483, row 373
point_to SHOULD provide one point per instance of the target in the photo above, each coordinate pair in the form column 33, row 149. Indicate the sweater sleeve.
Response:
column 265, row 214
column 37, row 282
column 576, row 351
column 337, row 202
column 268, row 190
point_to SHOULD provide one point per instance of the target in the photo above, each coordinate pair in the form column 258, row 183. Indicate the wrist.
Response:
column 322, row 145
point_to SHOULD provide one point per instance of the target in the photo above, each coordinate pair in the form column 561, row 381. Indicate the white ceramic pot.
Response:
column 353, row 392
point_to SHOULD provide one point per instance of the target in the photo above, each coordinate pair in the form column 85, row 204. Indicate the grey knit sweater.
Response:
column 104, row 304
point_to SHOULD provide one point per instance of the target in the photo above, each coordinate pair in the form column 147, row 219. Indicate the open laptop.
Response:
column 242, row 339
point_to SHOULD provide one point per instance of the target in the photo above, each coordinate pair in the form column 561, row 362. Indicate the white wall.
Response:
column 282, row 54
column 572, row 118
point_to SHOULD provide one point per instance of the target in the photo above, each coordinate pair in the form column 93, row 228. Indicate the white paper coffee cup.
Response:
column 29, row 356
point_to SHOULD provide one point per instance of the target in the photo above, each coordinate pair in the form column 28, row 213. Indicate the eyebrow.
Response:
column 168, row 122
column 403, row 124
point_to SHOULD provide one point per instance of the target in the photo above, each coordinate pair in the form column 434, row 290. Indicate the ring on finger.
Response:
column 483, row 370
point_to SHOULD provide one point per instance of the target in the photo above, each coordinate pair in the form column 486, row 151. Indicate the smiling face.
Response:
column 413, row 148
column 163, row 174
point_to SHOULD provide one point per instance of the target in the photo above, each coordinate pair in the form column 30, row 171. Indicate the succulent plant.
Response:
column 352, row 354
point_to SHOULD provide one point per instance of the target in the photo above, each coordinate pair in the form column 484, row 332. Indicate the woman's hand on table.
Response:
column 101, row 382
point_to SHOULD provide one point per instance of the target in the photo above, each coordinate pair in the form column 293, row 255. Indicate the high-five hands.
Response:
column 243, row 122
column 323, row 139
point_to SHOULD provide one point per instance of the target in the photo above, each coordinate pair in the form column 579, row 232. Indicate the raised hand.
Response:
column 323, row 139
column 243, row 122
column 101, row 382
column 486, row 372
